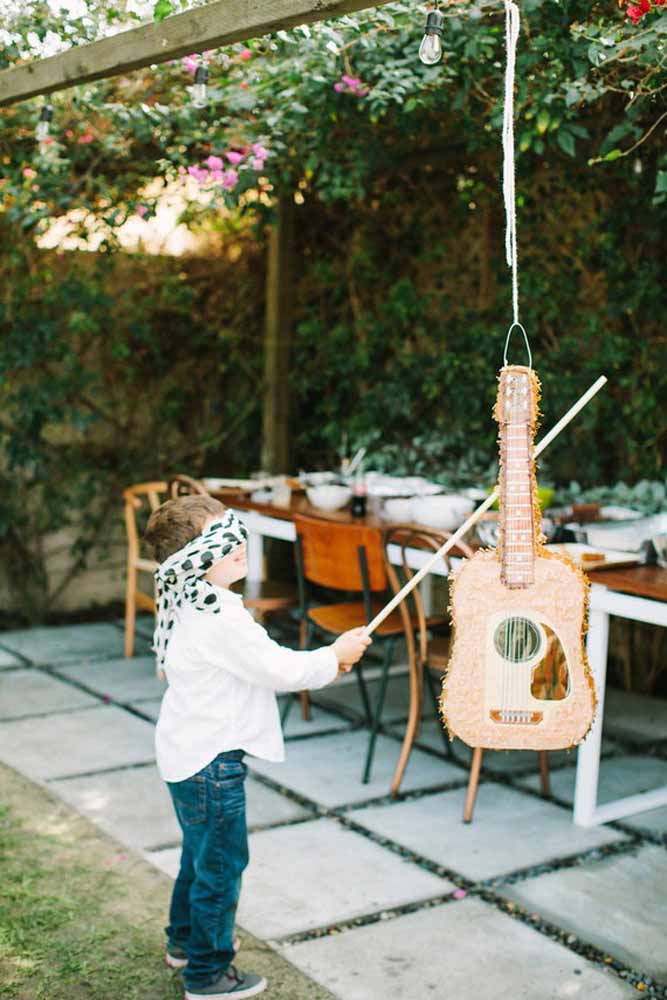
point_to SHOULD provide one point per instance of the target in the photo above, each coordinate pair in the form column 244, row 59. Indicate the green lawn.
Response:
column 80, row 917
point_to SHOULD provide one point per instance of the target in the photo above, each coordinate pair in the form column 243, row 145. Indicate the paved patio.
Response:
column 370, row 896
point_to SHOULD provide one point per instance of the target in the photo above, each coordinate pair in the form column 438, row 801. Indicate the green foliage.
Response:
column 114, row 369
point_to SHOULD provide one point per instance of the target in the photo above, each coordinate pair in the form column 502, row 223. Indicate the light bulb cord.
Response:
column 512, row 26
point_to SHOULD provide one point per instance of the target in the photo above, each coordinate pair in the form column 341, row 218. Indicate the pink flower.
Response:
column 85, row 138
column 214, row 163
column 190, row 63
column 245, row 54
column 29, row 172
column 459, row 894
column 216, row 176
column 259, row 150
column 234, row 157
column 69, row 133
column 229, row 179
column 350, row 85
column 257, row 163
column 141, row 210
column 199, row 174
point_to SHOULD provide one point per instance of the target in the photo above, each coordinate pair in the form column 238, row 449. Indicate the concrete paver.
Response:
column 134, row 805
column 347, row 694
column 30, row 692
column 509, row 831
column 76, row 742
column 465, row 950
column 8, row 660
column 306, row 873
column 124, row 680
column 328, row 769
column 64, row 644
column 617, row 903
column 637, row 717
column 619, row 776
column 325, row 873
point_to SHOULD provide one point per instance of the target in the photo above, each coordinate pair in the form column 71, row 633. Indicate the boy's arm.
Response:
column 246, row 650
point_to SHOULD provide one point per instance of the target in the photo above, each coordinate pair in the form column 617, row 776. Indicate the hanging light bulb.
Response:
column 44, row 123
column 200, row 87
column 430, row 50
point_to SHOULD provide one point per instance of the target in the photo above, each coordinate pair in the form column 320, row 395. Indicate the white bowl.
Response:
column 445, row 512
column 396, row 509
column 329, row 496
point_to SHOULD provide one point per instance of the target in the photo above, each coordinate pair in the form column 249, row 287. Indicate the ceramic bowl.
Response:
column 329, row 496
column 446, row 512
column 396, row 509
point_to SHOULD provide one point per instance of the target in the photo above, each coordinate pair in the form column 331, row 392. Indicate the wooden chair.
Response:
column 262, row 597
column 140, row 501
column 431, row 656
column 347, row 557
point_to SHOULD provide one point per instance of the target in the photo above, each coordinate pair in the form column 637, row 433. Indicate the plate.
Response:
column 239, row 485
column 611, row 558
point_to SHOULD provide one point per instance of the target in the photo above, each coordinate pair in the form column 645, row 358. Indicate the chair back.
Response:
column 183, row 486
column 332, row 558
column 406, row 536
column 141, row 499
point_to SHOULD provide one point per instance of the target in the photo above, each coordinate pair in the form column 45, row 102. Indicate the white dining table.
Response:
column 604, row 602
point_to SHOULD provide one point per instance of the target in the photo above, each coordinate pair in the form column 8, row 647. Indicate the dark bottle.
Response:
column 358, row 506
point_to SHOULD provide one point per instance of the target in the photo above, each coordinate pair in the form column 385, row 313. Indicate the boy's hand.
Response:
column 350, row 647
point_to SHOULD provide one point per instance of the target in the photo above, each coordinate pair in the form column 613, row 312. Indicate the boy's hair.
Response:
column 176, row 522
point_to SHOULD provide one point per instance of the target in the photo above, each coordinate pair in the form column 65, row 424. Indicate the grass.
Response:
column 81, row 918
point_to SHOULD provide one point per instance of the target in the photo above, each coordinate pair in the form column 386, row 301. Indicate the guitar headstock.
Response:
column 516, row 401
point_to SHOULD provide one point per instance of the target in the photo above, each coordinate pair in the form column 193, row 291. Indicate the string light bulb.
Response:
column 430, row 50
column 44, row 124
column 200, row 86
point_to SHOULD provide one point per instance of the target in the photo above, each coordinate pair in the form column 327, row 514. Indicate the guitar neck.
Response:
column 517, row 527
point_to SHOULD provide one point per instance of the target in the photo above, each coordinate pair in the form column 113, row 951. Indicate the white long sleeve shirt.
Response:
column 223, row 671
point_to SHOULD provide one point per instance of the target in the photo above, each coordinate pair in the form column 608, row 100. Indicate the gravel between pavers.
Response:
column 142, row 891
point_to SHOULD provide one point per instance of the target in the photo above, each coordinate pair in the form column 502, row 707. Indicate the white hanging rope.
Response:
column 512, row 24
column 511, row 38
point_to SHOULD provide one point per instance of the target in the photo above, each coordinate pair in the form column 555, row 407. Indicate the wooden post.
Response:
column 277, row 335
column 211, row 26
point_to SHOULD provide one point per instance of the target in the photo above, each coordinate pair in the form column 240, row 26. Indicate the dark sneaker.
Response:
column 232, row 984
column 177, row 957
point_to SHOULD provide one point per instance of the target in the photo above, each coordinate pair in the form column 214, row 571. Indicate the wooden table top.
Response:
column 642, row 581
column 298, row 505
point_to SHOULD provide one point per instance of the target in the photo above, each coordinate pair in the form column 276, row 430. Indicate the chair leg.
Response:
column 473, row 782
column 375, row 725
column 305, row 631
column 304, row 638
column 449, row 750
column 130, row 611
column 411, row 728
column 544, row 773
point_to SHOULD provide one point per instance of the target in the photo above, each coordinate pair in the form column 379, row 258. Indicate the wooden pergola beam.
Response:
column 216, row 24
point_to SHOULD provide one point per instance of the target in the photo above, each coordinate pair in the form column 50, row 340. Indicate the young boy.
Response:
column 223, row 671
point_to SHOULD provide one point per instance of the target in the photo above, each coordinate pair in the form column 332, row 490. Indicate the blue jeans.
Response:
column 210, row 807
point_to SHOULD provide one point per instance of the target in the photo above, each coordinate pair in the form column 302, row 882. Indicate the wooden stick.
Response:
column 475, row 516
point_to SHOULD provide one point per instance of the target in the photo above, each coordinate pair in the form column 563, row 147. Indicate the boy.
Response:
column 223, row 671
